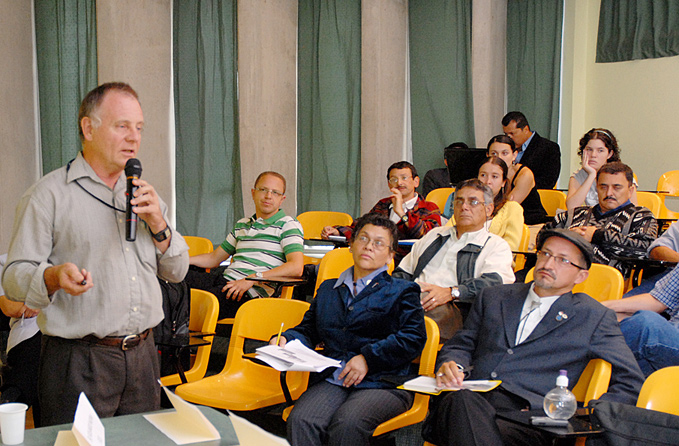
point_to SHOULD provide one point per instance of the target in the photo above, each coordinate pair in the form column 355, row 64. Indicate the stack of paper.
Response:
column 295, row 356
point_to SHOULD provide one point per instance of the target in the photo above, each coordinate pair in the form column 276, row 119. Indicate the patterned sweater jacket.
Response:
column 623, row 232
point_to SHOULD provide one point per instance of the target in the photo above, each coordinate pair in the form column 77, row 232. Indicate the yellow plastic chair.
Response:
column 420, row 406
column 660, row 391
column 669, row 182
column 650, row 200
column 604, row 282
column 334, row 263
column 198, row 245
column 552, row 200
column 243, row 384
column 313, row 222
column 203, row 318
column 593, row 382
column 520, row 259
column 440, row 196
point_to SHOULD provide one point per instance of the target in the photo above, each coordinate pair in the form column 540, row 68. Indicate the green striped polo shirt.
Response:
column 258, row 245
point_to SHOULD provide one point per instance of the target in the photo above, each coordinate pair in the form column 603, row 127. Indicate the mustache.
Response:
column 610, row 198
column 549, row 272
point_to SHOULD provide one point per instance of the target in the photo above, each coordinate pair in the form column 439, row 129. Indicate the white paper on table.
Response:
column 251, row 434
column 295, row 356
column 87, row 428
column 186, row 424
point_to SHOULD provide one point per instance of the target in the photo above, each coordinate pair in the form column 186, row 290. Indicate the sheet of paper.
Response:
column 87, row 427
column 252, row 435
column 427, row 384
column 295, row 356
column 186, row 425
column 66, row 438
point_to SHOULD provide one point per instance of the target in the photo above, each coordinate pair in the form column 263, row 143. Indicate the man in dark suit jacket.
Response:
column 523, row 334
column 539, row 154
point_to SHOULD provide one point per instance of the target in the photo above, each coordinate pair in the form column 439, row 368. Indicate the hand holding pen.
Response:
column 450, row 374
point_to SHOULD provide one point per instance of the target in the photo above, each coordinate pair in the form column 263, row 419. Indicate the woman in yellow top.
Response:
column 507, row 217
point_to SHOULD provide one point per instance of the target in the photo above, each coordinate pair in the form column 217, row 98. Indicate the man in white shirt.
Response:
column 455, row 263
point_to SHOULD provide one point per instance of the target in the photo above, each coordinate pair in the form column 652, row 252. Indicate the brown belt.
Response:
column 124, row 342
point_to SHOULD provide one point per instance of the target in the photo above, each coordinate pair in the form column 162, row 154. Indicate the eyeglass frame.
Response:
column 558, row 260
column 265, row 191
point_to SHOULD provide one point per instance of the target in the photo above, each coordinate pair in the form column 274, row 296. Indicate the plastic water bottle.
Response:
column 560, row 402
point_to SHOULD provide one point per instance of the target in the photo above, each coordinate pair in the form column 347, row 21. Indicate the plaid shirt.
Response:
column 666, row 291
column 423, row 217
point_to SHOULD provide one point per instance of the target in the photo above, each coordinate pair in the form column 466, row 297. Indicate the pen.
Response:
column 464, row 370
column 280, row 330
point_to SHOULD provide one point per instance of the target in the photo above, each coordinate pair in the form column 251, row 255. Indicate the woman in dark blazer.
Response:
column 373, row 324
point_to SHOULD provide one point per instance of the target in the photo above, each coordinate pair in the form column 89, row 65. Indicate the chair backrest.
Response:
column 660, row 391
column 431, row 348
column 259, row 319
column 440, row 196
column 593, row 382
column 650, row 200
column 552, row 200
column 203, row 318
column 520, row 259
column 334, row 263
column 198, row 245
column 313, row 222
column 603, row 283
column 669, row 181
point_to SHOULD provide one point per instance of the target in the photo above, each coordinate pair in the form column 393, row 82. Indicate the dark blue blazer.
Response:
column 529, row 370
column 385, row 323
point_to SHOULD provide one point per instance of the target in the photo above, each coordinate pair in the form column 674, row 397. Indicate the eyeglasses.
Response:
column 473, row 202
column 395, row 180
column 377, row 244
column 559, row 260
column 265, row 191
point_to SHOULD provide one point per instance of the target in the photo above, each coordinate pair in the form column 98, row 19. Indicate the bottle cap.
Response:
column 562, row 380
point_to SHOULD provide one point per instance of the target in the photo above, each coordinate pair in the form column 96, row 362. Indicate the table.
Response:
column 578, row 426
column 129, row 430
column 278, row 282
column 637, row 267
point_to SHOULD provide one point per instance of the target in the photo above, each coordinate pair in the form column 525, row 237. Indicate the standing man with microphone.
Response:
column 97, row 292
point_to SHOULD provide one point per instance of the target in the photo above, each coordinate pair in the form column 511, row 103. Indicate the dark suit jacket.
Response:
column 529, row 370
column 543, row 157
column 435, row 179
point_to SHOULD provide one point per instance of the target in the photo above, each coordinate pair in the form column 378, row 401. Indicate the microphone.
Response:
column 132, row 171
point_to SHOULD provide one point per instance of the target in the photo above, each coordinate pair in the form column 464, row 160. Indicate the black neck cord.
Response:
column 68, row 167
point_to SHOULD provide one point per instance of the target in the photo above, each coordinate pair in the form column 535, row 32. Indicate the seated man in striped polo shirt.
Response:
column 269, row 243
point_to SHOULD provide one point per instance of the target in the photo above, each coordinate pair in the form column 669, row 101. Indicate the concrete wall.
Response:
column 19, row 151
column 134, row 45
column 637, row 100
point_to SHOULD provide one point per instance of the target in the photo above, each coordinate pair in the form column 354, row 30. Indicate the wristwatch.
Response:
column 404, row 219
column 455, row 292
column 162, row 235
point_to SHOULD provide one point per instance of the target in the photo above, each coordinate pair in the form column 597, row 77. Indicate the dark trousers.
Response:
column 20, row 376
column 116, row 382
column 334, row 415
column 213, row 282
column 468, row 418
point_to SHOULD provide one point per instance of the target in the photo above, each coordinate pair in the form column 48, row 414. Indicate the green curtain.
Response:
column 637, row 29
column 329, row 105
column 66, row 47
column 442, row 109
column 534, row 62
column 208, row 177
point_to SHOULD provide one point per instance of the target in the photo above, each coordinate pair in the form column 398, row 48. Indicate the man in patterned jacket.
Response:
column 615, row 227
column 414, row 216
